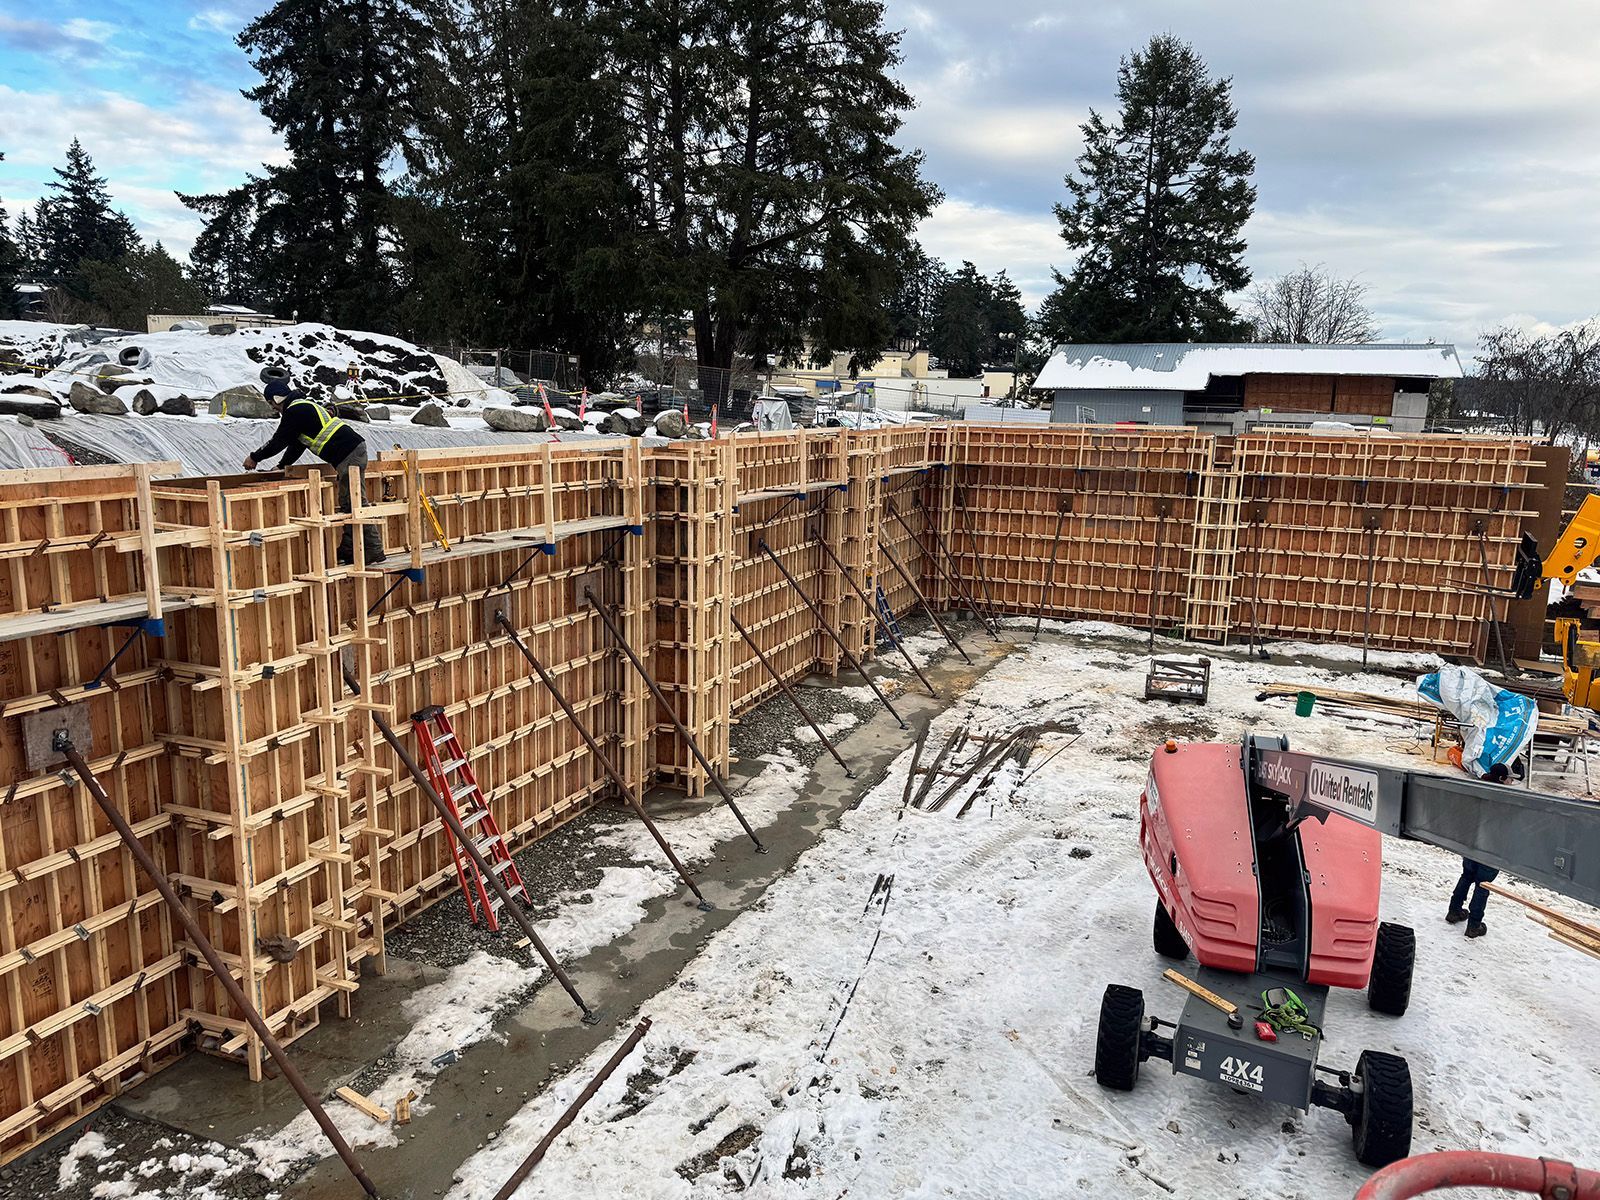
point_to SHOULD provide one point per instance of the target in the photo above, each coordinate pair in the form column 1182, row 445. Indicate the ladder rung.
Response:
column 486, row 844
column 455, row 764
column 473, row 817
column 501, row 867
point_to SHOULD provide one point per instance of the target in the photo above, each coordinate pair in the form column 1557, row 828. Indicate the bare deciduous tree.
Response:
column 1311, row 305
column 1538, row 384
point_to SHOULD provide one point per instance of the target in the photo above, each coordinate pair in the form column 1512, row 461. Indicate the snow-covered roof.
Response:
column 1188, row 366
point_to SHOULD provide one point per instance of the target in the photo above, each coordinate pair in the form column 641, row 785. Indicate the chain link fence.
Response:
column 511, row 368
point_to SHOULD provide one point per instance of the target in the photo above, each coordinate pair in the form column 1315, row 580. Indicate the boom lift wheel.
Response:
column 1393, row 958
column 1380, row 1127
column 1117, row 1048
column 1169, row 942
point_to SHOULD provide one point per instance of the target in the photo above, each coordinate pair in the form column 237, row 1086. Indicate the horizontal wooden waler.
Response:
column 203, row 627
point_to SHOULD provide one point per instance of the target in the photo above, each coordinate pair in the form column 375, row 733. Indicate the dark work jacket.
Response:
column 304, row 418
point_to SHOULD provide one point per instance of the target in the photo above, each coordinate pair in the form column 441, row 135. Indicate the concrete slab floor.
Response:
column 543, row 1038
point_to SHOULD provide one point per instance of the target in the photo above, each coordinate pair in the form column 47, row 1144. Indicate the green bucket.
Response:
column 1304, row 703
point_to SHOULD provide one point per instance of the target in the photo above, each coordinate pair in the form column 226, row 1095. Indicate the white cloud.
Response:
column 213, row 20
column 1447, row 155
column 993, row 238
column 208, row 140
column 89, row 31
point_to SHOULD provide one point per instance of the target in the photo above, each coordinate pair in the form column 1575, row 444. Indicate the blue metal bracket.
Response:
column 637, row 530
column 135, row 628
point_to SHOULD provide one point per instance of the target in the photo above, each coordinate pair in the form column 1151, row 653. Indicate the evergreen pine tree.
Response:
column 221, row 263
column 78, row 224
column 915, row 300
column 1007, row 322
column 341, row 83
column 768, row 173
column 961, row 323
column 10, row 264
column 518, row 220
column 1157, row 209
column 145, row 280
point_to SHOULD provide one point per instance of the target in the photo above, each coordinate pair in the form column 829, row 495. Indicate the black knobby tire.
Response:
column 1169, row 942
column 1393, row 959
column 1117, row 1046
column 1381, row 1132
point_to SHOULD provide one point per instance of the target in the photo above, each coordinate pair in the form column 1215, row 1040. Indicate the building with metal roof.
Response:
column 1231, row 387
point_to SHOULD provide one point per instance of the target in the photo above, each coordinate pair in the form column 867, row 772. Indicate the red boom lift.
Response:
column 1278, row 908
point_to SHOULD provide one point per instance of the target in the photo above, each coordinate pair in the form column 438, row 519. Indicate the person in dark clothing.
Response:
column 303, row 425
column 1472, row 875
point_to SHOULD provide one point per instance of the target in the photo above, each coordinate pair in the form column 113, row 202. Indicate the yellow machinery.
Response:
column 1577, row 548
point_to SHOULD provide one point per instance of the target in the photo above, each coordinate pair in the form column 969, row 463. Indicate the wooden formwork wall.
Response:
column 694, row 486
column 221, row 722
column 1376, row 536
column 95, row 988
column 527, row 534
column 1124, row 500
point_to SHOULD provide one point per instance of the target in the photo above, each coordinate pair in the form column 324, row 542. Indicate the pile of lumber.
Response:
column 1554, row 724
column 1582, row 937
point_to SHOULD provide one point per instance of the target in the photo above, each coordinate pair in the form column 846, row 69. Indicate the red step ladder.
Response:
column 453, row 778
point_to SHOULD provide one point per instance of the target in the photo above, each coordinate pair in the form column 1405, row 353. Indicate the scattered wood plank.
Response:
column 1206, row 994
column 1565, row 929
column 356, row 1100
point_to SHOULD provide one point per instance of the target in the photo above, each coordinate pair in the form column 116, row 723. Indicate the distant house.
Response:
column 1231, row 388
column 214, row 315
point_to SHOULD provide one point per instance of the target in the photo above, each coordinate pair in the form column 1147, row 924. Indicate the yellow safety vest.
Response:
column 330, row 426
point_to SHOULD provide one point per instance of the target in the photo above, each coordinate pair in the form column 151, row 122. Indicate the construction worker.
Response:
column 303, row 425
column 1473, row 876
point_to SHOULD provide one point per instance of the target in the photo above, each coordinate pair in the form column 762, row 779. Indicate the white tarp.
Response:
column 216, row 447
column 201, row 364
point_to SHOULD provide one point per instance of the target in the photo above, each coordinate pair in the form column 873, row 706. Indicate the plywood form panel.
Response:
column 93, row 997
column 1317, row 513
column 1126, row 542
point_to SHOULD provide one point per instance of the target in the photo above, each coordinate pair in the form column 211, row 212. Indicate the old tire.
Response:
column 1117, row 1046
column 1168, row 941
column 1381, row 1131
column 1393, row 959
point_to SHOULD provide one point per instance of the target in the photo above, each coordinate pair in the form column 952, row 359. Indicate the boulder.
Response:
column 144, row 403
column 637, row 426
column 177, row 406
column 111, row 371
column 351, row 412
column 430, row 414
column 25, row 419
column 29, row 389
column 29, row 406
column 88, row 399
column 671, row 424
column 515, row 420
column 570, row 421
column 244, row 401
column 377, row 412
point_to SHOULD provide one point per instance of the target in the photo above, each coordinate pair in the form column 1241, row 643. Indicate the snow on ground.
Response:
column 165, row 1176
column 460, row 1010
column 940, row 1044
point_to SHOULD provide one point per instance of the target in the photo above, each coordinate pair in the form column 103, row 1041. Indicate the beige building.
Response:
column 899, row 379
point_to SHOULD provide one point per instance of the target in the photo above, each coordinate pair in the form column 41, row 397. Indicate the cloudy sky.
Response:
column 1445, row 153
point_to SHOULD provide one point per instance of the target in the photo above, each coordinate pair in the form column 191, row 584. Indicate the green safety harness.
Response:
column 1287, row 1013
